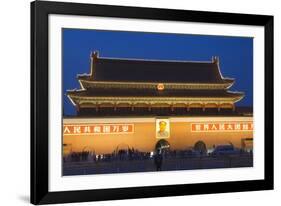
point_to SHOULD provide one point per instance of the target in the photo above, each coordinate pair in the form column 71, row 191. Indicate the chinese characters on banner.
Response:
column 162, row 128
column 92, row 129
column 222, row 127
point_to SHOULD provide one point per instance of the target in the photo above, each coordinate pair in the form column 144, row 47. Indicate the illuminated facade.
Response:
column 153, row 87
column 106, row 135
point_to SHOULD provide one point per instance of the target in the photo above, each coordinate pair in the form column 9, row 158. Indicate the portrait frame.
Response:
column 40, row 120
column 166, row 128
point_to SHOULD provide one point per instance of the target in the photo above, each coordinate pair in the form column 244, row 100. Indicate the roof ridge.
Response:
column 153, row 60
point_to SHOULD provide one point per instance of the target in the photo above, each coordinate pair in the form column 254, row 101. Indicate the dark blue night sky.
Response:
column 235, row 53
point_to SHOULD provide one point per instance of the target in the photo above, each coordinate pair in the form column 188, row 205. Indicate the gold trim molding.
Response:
column 152, row 100
column 85, row 84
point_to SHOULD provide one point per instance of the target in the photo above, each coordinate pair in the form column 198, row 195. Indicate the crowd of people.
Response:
column 122, row 154
column 133, row 154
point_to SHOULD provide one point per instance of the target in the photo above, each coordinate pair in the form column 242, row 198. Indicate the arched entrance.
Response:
column 162, row 144
column 200, row 146
column 122, row 147
column 122, row 151
column 88, row 149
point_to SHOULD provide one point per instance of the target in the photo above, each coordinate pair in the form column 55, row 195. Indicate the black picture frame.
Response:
column 40, row 113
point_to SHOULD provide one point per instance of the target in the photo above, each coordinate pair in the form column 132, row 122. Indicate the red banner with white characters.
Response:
column 222, row 126
column 92, row 129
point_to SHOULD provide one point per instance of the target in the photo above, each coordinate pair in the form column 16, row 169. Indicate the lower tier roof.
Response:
column 154, row 93
column 83, row 97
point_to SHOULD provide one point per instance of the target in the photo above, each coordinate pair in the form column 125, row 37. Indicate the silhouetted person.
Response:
column 158, row 160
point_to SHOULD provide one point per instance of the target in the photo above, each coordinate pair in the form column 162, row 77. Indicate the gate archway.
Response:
column 162, row 144
column 201, row 147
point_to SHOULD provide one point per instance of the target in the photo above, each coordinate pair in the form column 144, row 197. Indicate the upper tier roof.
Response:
column 138, row 70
